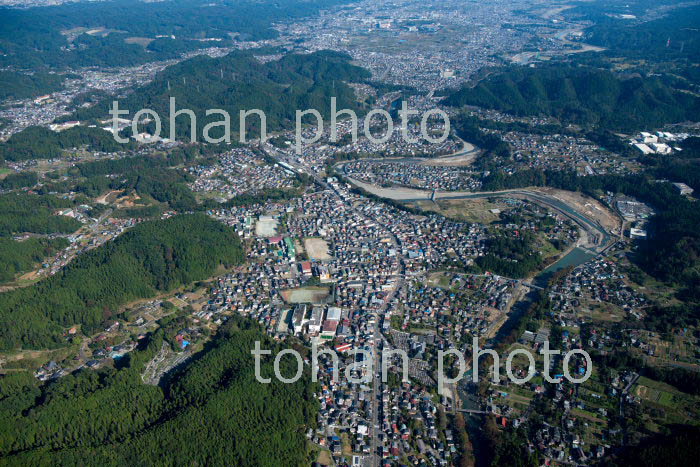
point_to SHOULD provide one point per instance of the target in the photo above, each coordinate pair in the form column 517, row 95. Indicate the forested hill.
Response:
column 37, row 142
column 152, row 257
column 673, row 36
column 15, row 85
column 79, row 34
column 212, row 412
column 232, row 83
column 237, row 82
column 582, row 95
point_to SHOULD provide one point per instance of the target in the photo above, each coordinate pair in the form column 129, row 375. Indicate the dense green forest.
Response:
column 231, row 83
column 680, row 447
column 264, row 196
column 20, row 256
column 469, row 129
column 32, row 38
column 239, row 82
column 152, row 257
column 155, row 178
column 37, row 142
column 673, row 36
column 18, row 180
column 506, row 447
column 162, row 185
column 582, row 95
column 15, row 85
column 22, row 212
column 28, row 213
column 210, row 411
column 136, row 163
column 517, row 256
column 681, row 166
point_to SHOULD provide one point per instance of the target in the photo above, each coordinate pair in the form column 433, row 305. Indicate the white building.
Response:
column 661, row 148
column 683, row 189
column 644, row 148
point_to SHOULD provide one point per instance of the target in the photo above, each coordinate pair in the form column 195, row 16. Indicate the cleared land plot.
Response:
column 483, row 211
column 585, row 205
column 266, row 228
column 678, row 407
column 655, row 395
column 306, row 295
column 142, row 41
column 397, row 193
column 465, row 157
column 324, row 457
column 317, row 249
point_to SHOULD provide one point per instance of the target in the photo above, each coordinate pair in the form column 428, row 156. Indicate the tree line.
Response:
column 589, row 96
column 210, row 411
column 24, row 212
column 41, row 143
column 20, row 256
column 152, row 257
column 33, row 39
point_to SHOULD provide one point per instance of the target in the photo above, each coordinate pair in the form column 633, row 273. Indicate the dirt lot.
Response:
column 108, row 198
column 583, row 204
column 396, row 193
column 470, row 210
column 317, row 249
column 306, row 295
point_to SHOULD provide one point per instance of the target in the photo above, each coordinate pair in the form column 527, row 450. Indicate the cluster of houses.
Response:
column 375, row 289
column 85, row 239
column 597, row 281
column 373, row 247
column 314, row 156
column 237, row 172
column 562, row 152
column 428, row 177
column 466, row 306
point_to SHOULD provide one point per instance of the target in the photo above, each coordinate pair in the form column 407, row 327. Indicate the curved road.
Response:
column 597, row 239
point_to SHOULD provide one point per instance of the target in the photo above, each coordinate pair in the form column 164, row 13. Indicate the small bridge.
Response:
column 473, row 412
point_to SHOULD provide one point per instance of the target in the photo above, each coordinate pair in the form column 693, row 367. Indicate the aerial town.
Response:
column 537, row 267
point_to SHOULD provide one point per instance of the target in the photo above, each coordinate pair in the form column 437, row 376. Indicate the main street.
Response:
column 377, row 336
